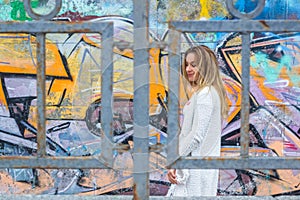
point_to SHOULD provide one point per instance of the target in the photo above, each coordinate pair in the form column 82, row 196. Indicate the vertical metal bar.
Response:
column 41, row 68
column 245, row 95
column 107, row 94
column 174, row 72
column 141, row 100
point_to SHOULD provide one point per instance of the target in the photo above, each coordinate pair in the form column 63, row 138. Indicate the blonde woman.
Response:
column 202, row 118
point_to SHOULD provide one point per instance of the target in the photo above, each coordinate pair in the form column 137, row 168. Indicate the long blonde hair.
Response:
column 209, row 74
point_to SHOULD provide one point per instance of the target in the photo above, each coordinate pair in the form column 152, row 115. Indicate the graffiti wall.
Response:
column 73, row 97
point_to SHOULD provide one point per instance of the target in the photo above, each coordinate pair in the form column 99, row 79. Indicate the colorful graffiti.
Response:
column 73, row 100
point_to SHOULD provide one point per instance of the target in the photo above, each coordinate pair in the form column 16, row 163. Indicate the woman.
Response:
column 202, row 118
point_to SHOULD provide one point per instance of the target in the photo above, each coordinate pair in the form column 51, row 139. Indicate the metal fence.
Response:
column 245, row 25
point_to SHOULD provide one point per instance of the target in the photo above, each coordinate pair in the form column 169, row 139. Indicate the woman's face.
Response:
column 190, row 67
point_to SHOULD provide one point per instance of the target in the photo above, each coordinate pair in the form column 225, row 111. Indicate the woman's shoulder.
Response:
column 205, row 91
column 207, row 94
column 203, row 95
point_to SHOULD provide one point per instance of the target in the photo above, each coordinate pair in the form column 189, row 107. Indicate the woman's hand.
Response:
column 171, row 175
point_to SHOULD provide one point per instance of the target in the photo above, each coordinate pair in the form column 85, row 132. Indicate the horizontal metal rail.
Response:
column 237, row 26
column 93, row 162
column 237, row 163
column 63, row 162
column 54, row 27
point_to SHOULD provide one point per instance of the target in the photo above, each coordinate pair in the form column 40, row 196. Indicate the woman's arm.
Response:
column 201, row 120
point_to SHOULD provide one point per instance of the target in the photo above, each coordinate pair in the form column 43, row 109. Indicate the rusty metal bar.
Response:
column 52, row 27
column 237, row 26
column 237, row 163
column 245, row 95
column 173, row 104
column 141, row 100
column 66, row 162
column 63, row 162
column 107, row 94
column 41, row 94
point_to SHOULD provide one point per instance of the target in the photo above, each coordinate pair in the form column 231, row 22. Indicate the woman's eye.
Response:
column 193, row 65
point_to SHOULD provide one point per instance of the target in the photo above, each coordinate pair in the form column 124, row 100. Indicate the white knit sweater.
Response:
column 200, row 136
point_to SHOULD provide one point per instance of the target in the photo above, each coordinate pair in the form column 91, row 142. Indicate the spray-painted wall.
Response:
column 74, row 100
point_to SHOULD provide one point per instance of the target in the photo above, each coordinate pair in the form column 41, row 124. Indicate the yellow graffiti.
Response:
column 209, row 9
column 18, row 56
column 3, row 102
column 205, row 7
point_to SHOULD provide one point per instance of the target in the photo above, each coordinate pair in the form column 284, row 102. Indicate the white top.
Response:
column 200, row 136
